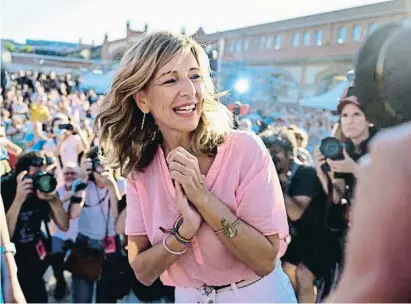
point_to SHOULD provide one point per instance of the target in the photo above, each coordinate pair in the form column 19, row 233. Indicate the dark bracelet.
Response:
column 75, row 200
column 174, row 231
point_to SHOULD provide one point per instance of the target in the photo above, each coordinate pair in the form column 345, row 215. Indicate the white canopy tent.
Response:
column 329, row 100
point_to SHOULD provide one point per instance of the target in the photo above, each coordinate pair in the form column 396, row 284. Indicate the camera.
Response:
column 43, row 181
column 96, row 162
column 68, row 127
column 97, row 166
column 331, row 148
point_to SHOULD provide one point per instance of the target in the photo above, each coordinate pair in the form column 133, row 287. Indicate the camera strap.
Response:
column 290, row 175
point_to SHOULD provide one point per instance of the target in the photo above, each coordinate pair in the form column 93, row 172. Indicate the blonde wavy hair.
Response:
column 118, row 124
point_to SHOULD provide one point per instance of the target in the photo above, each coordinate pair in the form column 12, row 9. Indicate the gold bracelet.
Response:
column 228, row 229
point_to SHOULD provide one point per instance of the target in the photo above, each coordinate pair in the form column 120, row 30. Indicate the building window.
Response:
column 318, row 37
column 371, row 28
column 406, row 21
column 296, row 39
column 268, row 43
column 342, row 34
column 238, row 46
column 245, row 44
column 356, row 32
column 261, row 43
column 306, row 39
column 231, row 47
column 277, row 42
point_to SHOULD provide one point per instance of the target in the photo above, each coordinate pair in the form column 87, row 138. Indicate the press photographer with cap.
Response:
column 313, row 250
column 29, row 196
column 378, row 267
column 342, row 167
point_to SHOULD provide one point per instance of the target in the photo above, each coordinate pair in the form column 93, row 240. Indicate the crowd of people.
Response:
column 175, row 200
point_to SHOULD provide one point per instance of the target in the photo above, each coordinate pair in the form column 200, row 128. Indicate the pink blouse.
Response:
column 243, row 177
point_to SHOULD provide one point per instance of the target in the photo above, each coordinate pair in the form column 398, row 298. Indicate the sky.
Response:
column 69, row 20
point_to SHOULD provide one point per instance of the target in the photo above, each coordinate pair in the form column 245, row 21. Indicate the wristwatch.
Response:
column 10, row 247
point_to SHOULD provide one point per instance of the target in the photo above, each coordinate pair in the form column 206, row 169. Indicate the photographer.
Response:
column 313, row 250
column 95, row 202
column 29, row 197
column 358, row 131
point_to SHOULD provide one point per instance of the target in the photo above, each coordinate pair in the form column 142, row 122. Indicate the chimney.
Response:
column 105, row 37
column 79, row 41
column 145, row 27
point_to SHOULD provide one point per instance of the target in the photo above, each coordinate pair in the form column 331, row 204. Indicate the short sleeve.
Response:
column 134, row 220
column 259, row 195
column 304, row 182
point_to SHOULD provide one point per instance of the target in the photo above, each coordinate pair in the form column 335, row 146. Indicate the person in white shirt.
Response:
column 63, row 241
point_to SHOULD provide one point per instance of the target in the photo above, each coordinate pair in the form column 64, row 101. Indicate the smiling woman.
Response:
column 205, row 209
column 146, row 97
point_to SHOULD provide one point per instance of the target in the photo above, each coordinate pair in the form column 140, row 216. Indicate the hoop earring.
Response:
column 142, row 123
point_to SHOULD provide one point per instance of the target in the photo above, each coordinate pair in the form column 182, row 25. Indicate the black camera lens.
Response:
column 43, row 181
column 332, row 148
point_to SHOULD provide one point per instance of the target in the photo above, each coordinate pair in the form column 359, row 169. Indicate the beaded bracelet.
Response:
column 169, row 250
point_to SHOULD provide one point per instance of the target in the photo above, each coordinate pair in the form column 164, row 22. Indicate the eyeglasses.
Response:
column 70, row 173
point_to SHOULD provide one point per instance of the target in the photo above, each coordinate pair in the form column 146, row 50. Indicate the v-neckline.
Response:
column 211, row 175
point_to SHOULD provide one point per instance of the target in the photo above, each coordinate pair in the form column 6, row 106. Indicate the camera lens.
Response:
column 45, row 182
column 331, row 148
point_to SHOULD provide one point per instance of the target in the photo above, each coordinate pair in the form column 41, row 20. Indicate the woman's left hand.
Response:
column 347, row 165
column 184, row 169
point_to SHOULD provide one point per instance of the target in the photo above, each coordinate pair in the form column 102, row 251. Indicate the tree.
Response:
column 26, row 49
column 9, row 46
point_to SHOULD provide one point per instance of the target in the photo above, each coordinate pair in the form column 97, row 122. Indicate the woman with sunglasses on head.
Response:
column 205, row 209
column 378, row 267
column 29, row 201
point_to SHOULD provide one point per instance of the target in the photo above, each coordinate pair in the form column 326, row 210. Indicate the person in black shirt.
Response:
column 358, row 132
column 313, row 250
column 26, row 209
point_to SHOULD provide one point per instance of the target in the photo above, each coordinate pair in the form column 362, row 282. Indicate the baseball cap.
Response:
column 348, row 97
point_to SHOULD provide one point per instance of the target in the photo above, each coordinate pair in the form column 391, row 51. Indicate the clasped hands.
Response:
column 190, row 189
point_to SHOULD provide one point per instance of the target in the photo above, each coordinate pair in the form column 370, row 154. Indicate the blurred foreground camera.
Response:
column 43, row 181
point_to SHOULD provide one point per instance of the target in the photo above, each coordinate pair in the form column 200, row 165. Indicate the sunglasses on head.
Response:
column 40, row 161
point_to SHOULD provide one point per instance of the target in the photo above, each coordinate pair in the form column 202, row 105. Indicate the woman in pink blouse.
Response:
column 205, row 209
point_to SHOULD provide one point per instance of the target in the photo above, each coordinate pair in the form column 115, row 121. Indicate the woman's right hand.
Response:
column 86, row 169
column 191, row 218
